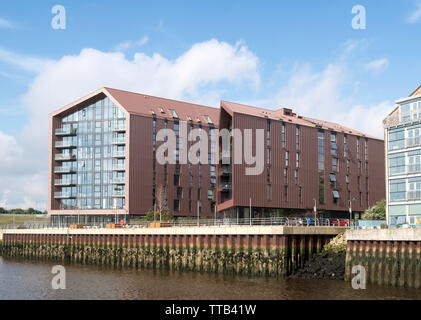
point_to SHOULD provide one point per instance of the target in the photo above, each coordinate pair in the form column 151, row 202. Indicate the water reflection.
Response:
column 22, row 279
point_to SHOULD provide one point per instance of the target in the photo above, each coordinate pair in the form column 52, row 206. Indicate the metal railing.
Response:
column 64, row 169
column 61, row 156
column 401, row 119
column 64, row 182
column 118, row 126
column 118, row 167
column 64, row 195
column 66, row 131
column 227, row 222
column 118, row 154
column 119, row 140
column 65, row 144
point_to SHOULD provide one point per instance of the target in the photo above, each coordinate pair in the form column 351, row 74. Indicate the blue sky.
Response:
column 303, row 54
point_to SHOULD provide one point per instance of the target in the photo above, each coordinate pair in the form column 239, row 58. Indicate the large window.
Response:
column 396, row 139
column 397, row 190
column 397, row 163
column 98, row 151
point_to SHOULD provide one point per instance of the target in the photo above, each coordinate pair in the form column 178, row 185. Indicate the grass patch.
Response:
column 6, row 219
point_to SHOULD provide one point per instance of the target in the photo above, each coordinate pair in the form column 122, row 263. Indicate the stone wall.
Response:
column 259, row 254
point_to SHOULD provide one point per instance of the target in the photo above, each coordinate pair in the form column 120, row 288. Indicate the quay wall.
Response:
column 389, row 256
column 256, row 250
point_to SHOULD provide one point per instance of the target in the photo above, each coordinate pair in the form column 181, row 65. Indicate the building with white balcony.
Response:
column 403, row 160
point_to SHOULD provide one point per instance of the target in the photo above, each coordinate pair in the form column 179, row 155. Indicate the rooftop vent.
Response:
column 286, row 112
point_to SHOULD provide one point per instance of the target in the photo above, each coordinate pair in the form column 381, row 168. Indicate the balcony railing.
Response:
column 65, row 144
column 119, row 140
column 118, row 127
column 64, row 169
column 119, row 167
column 413, row 195
column 64, row 182
column 66, row 131
column 118, row 154
column 64, row 195
column 118, row 193
column 395, row 120
column 65, row 157
column 118, row 181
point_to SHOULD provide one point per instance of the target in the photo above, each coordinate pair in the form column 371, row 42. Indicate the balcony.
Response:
column 118, row 154
column 64, row 182
column 397, row 119
column 413, row 195
column 64, row 169
column 66, row 132
column 225, row 170
column 227, row 186
column 65, row 157
column 117, row 193
column 118, row 181
column 65, row 144
column 118, row 127
column 64, row 195
column 119, row 167
column 119, row 141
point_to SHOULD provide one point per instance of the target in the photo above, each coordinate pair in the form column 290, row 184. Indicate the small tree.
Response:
column 376, row 212
column 161, row 200
column 149, row 215
column 167, row 215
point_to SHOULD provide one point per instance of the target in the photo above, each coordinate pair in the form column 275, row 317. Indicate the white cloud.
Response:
column 321, row 95
column 377, row 65
column 59, row 82
column 25, row 63
column 6, row 24
column 123, row 46
column 415, row 16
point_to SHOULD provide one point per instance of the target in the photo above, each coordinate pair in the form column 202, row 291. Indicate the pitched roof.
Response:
column 138, row 103
column 416, row 92
column 232, row 107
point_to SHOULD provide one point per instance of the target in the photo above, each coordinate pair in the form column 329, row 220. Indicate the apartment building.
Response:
column 103, row 163
column 403, row 161
column 307, row 163
column 102, row 159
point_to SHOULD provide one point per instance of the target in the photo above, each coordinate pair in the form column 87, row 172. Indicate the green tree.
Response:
column 376, row 212
column 149, row 215
column 167, row 215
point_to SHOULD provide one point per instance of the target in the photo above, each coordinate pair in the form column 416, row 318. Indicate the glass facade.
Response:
column 92, row 158
column 404, row 165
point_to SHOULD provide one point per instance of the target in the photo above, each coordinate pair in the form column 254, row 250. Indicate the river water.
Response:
column 23, row 279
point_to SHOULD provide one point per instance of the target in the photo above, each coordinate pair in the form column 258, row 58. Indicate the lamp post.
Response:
column 250, row 210
column 350, row 210
column 315, row 211
column 198, row 213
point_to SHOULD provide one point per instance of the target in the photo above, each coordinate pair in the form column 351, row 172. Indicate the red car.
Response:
column 340, row 223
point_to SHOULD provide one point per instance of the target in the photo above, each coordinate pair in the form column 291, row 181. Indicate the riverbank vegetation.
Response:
column 21, row 211
column 376, row 212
